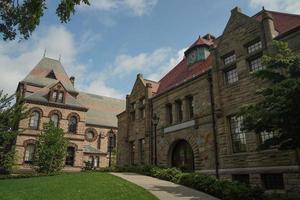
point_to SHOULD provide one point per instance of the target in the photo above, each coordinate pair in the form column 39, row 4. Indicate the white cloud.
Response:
column 291, row 6
column 18, row 58
column 136, row 7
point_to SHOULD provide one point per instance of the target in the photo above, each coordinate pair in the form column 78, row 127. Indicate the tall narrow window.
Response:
column 29, row 153
column 54, row 95
column 132, row 153
column 70, row 156
column 142, row 113
column 190, row 105
column 142, row 150
column 272, row 181
column 269, row 138
column 73, row 124
column 54, row 119
column 179, row 110
column 254, row 47
column 238, row 136
column 169, row 114
column 60, row 97
column 34, row 120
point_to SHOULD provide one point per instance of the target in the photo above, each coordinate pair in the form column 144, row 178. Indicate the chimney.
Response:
column 236, row 10
column 72, row 79
column 268, row 25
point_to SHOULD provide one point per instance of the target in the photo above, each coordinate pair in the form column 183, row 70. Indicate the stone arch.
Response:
column 94, row 132
column 55, row 112
column 191, row 141
column 29, row 141
column 36, row 109
column 73, row 145
column 73, row 114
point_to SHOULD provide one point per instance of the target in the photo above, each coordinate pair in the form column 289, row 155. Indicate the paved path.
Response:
column 164, row 190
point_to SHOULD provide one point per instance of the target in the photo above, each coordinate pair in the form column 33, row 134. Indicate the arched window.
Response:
column 70, row 156
column 34, row 120
column 90, row 135
column 55, row 118
column 29, row 153
column 73, row 124
column 183, row 156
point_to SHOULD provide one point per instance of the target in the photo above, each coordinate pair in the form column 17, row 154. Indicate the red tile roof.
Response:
column 283, row 22
column 201, row 41
column 182, row 72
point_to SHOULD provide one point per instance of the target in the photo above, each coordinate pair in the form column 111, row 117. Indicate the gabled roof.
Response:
column 38, row 75
column 102, row 110
column 283, row 22
column 201, row 41
column 154, row 84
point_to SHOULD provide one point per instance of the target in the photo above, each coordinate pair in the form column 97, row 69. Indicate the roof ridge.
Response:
column 87, row 93
column 277, row 12
column 151, row 80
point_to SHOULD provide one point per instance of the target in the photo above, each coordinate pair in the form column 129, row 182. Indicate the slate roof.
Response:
column 283, row 22
column 38, row 74
column 101, row 110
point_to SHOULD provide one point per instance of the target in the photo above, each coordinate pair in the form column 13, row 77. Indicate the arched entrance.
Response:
column 182, row 156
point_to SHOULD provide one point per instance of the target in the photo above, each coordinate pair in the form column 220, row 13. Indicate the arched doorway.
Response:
column 183, row 156
column 70, row 156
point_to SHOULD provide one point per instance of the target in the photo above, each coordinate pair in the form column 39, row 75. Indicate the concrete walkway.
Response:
column 164, row 190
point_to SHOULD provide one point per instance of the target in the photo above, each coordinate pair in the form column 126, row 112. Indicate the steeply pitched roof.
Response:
column 101, row 110
column 283, row 22
column 38, row 75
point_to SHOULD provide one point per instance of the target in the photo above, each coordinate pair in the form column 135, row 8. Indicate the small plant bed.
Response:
column 72, row 186
column 225, row 190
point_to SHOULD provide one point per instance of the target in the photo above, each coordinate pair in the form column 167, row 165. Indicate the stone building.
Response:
column 197, row 102
column 86, row 119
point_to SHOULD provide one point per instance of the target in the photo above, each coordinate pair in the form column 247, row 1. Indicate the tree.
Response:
column 279, row 109
column 51, row 149
column 22, row 17
column 10, row 115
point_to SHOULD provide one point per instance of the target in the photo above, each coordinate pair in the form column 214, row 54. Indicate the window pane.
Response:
column 254, row 47
column 29, row 152
column 60, row 97
column 54, row 119
column 229, row 59
column 179, row 110
column 191, row 106
column 238, row 136
column 256, row 64
column 169, row 114
column 54, row 95
column 272, row 181
column 231, row 76
column 73, row 124
column 34, row 120
column 90, row 135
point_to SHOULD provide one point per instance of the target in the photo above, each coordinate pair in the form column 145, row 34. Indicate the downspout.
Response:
column 216, row 151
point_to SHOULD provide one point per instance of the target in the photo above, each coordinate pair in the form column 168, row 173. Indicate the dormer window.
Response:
column 57, row 96
column 51, row 75
column 197, row 54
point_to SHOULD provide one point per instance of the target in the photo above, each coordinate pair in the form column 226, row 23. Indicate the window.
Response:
column 190, row 102
column 254, row 47
column 229, row 59
column 132, row 152
column 132, row 115
column 142, row 111
column 272, row 181
column 269, row 137
column 169, row 115
column 60, row 97
column 241, row 178
column 133, row 106
column 99, row 142
column 54, row 95
column 54, row 119
column 73, row 124
column 179, row 110
column 90, row 135
column 70, row 156
column 34, row 120
column 256, row 64
column 142, row 150
column 29, row 153
column 231, row 76
column 237, row 135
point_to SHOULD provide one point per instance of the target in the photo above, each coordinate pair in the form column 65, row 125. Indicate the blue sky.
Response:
column 105, row 45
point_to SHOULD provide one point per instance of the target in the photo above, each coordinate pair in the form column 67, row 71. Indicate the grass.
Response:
column 93, row 185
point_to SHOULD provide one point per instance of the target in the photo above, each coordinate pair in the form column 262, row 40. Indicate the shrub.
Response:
column 51, row 150
column 88, row 166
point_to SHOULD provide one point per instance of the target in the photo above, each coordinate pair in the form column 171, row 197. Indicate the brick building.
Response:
column 86, row 119
column 197, row 101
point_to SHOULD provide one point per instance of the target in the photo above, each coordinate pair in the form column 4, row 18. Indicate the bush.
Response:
column 88, row 166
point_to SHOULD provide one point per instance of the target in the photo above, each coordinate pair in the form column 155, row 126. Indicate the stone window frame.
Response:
column 253, row 46
column 25, row 144
column 94, row 132
column 229, row 58
column 73, row 114
column 179, row 110
column 40, row 111
column 169, row 113
column 57, row 112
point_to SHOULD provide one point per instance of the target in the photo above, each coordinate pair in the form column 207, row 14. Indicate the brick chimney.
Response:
column 72, row 79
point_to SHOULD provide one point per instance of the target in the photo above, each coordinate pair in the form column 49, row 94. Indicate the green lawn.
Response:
column 83, row 186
